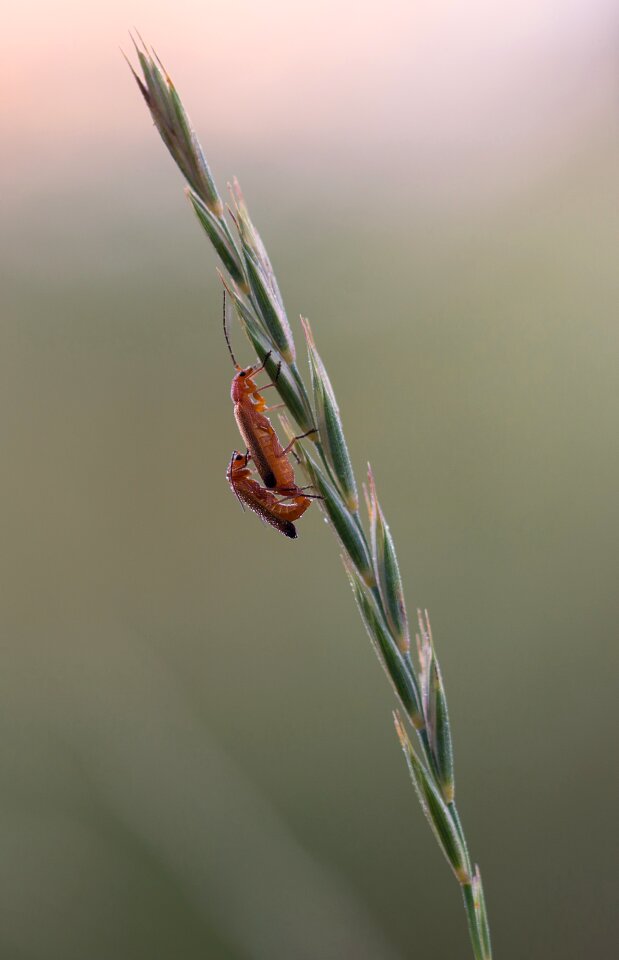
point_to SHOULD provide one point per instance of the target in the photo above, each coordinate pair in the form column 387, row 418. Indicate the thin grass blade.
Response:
column 482, row 915
column 252, row 239
column 387, row 569
column 212, row 227
column 329, row 423
column 344, row 523
column 397, row 670
column 435, row 709
column 434, row 807
column 271, row 311
column 441, row 733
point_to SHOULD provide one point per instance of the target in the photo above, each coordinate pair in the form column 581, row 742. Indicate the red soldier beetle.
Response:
column 248, row 492
column 262, row 442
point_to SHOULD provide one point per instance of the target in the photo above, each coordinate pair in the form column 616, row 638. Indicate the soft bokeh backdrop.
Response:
column 197, row 758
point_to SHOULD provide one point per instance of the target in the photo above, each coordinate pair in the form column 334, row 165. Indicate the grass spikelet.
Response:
column 370, row 558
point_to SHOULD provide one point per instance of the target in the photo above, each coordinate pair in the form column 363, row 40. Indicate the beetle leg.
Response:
column 262, row 365
column 275, row 379
column 300, row 437
column 293, row 496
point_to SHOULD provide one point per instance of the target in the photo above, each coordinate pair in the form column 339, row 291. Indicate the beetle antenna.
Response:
column 226, row 332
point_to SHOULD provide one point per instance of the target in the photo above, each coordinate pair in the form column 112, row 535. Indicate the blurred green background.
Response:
column 197, row 757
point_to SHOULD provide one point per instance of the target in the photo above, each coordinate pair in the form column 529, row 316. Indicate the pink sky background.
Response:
column 490, row 85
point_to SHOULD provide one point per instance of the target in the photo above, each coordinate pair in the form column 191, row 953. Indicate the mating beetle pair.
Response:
column 280, row 500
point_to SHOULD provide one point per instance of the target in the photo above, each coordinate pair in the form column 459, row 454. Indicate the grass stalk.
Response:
column 368, row 552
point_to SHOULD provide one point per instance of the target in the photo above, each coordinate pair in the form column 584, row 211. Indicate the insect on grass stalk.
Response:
column 369, row 556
